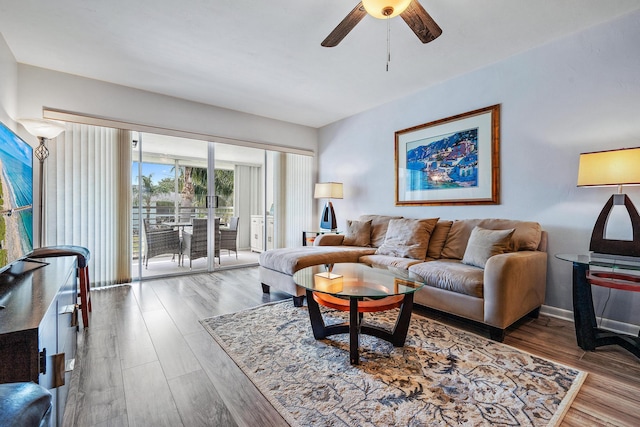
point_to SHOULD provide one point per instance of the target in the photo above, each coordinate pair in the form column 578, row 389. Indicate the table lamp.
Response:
column 612, row 168
column 328, row 190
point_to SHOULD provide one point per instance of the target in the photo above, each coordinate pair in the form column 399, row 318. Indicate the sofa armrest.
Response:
column 329, row 240
column 514, row 285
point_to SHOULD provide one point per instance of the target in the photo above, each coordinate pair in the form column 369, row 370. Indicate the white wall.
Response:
column 577, row 94
column 8, row 85
column 39, row 87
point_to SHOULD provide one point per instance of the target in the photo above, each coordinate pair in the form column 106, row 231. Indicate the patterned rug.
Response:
column 442, row 376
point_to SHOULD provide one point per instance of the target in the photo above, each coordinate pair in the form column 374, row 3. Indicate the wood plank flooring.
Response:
column 146, row 361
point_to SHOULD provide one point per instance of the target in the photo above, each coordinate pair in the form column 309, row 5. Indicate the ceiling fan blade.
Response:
column 345, row 26
column 421, row 22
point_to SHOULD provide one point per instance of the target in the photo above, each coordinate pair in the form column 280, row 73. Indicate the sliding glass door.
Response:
column 202, row 195
column 170, row 215
column 240, row 189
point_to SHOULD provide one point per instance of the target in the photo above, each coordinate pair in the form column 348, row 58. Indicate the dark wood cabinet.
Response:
column 38, row 328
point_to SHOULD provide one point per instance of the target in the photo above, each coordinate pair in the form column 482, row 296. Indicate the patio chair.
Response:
column 229, row 236
column 194, row 243
column 159, row 240
column 165, row 212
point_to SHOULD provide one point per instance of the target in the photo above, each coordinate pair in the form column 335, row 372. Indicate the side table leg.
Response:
column 583, row 313
column 354, row 326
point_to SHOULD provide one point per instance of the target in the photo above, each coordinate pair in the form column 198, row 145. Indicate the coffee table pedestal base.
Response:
column 356, row 307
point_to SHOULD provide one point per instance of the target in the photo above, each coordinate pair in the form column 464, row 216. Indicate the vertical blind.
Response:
column 247, row 194
column 84, row 198
column 299, row 190
column 293, row 196
column 124, row 208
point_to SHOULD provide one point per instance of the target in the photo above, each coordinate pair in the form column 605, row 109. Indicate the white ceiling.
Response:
column 264, row 57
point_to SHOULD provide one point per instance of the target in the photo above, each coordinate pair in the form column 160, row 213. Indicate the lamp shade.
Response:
column 328, row 190
column 614, row 167
column 41, row 128
column 378, row 8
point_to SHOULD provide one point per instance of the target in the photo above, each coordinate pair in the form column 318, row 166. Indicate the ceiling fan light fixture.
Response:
column 383, row 9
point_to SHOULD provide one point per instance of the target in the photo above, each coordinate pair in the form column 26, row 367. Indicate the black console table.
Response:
column 38, row 328
column 610, row 273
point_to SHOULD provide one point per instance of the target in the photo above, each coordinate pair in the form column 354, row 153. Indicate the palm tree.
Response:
column 199, row 179
column 224, row 184
column 148, row 191
column 194, row 185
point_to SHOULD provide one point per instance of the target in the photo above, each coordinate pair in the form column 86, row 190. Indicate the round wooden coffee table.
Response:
column 358, row 289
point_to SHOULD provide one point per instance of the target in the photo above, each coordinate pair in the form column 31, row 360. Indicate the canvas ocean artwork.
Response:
column 16, row 197
column 443, row 162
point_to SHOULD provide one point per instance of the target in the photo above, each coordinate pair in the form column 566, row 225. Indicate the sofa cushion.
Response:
column 358, row 233
column 290, row 260
column 526, row 236
column 438, row 238
column 483, row 244
column 408, row 238
column 388, row 261
column 379, row 224
column 452, row 275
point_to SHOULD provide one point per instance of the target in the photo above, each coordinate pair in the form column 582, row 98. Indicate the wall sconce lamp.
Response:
column 43, row 130
column 612, row 168
column 328, row 190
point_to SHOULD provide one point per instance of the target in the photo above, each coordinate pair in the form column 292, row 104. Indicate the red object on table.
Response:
column 625, row 282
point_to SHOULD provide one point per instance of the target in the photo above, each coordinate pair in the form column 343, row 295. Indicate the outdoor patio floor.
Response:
column 164, row 265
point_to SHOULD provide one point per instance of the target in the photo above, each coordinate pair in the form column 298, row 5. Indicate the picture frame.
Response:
column 451, row 161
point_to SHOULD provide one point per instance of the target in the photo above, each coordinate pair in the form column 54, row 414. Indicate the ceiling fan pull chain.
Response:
column 388, row 42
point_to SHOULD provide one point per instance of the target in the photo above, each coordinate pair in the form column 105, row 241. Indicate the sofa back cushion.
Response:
column 526, row 236
column 438, row 238
column 407, row 238
column 358, row 233
column 379, row 224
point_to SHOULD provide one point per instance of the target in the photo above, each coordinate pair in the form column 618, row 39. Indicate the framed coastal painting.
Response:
column 452, row 161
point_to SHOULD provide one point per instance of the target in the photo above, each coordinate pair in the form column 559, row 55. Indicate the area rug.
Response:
column 442, row 376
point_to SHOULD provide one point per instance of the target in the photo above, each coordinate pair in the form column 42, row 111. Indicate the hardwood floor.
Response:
column 146, row 361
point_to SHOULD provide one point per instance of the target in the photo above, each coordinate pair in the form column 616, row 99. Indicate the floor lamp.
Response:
column 43, row 130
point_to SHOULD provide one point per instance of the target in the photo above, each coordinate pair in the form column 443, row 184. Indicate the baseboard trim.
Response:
column 613, row 325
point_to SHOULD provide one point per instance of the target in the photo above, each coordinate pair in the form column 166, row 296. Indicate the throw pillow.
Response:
column 483, row 244
column 407, row 238
column 379, row 224
column 358, row 233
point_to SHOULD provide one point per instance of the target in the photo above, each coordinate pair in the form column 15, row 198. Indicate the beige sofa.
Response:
column 491, row 271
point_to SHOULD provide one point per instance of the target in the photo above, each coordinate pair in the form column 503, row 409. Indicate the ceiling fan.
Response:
column 420, row 22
